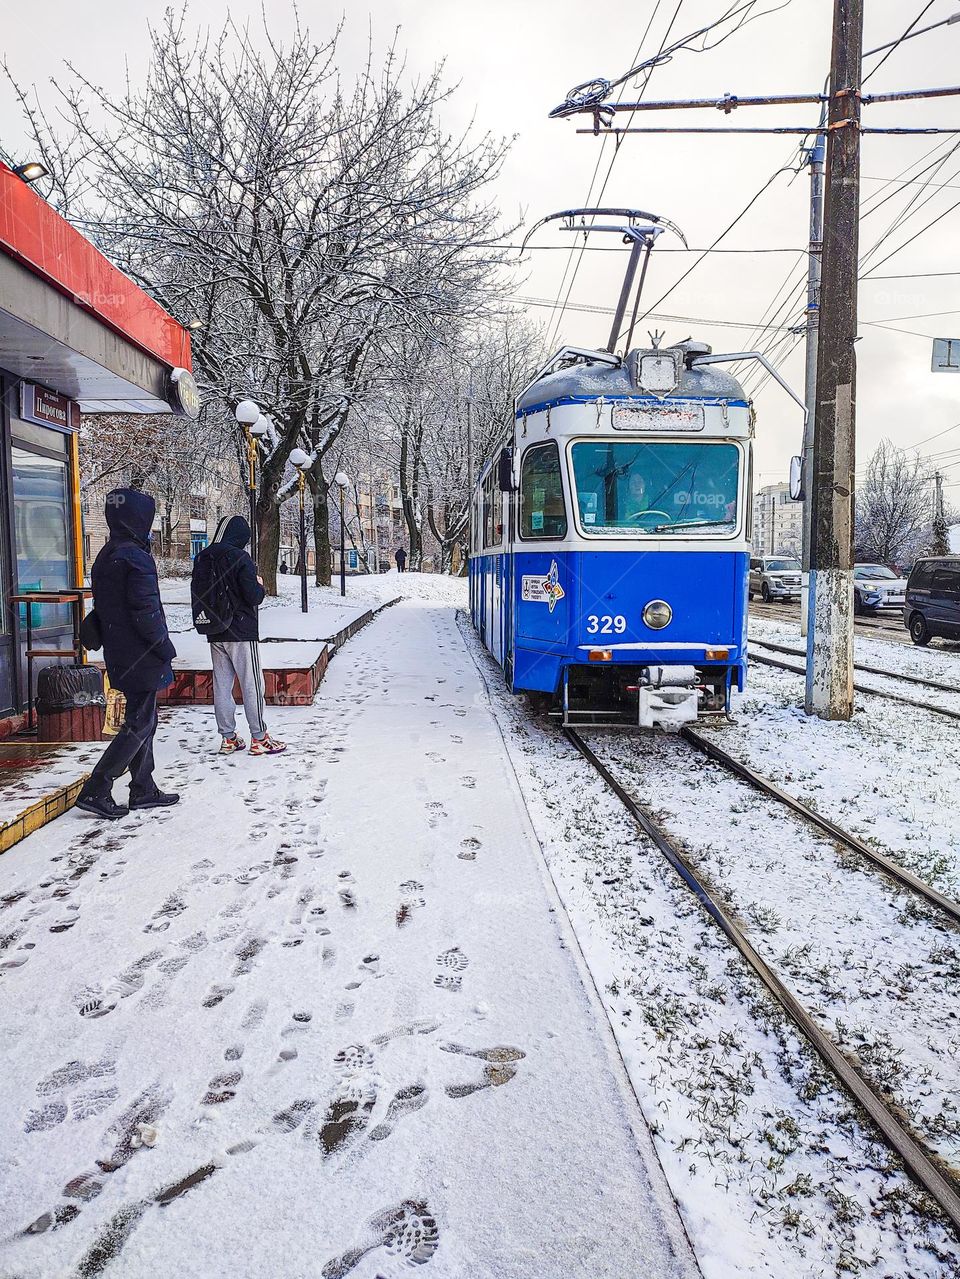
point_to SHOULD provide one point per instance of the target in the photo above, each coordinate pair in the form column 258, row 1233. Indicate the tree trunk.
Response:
column 268, row 518
column 409, row 486
column 268, row 543
column 319, row 491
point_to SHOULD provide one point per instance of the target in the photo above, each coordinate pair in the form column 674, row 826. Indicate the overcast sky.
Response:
column 515, row 59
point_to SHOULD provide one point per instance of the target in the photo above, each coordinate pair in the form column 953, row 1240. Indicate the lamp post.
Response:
column 342, row 479
column 301, row 461
column 247, row 414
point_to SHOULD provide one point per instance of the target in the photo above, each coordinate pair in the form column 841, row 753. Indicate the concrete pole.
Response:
column 814, row 253
column 829, row 691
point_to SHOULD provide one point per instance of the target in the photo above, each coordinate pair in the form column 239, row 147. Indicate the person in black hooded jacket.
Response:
column 137, row 651
column 226, row 594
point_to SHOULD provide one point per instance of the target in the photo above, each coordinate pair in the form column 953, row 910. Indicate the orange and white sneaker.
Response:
column 230, row 745
column 267, row 745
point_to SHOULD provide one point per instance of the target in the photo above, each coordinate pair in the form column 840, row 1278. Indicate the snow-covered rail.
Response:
column 937, row 685
column 867, row 688
column 902, row 876
column 883, row 627
column 924, row 1165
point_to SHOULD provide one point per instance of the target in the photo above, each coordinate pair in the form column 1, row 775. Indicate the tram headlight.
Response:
column 657, row 614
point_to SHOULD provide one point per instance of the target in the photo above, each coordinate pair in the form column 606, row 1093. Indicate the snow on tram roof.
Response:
column 592, row 378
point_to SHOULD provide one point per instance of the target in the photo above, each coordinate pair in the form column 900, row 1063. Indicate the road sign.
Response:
column 946, row 355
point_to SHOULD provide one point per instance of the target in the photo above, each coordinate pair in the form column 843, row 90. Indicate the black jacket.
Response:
column 137, row 650
column 226, row 559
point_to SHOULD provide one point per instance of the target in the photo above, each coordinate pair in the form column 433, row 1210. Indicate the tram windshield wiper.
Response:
column 662, row 528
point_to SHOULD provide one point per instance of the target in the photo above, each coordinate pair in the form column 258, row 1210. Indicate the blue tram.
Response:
column 610, row 539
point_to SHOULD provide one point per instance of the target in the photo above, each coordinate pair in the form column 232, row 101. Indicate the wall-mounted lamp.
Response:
column 31, row 171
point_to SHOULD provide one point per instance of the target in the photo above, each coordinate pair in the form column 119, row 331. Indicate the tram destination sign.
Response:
column 663, row 417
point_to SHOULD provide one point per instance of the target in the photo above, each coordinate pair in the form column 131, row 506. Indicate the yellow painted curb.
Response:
column 38, row 814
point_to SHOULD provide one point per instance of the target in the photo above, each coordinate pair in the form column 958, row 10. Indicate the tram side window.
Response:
column 491, row 525
column 542, row 510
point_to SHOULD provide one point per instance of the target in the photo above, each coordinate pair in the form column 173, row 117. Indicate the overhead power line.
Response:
column 891, row 48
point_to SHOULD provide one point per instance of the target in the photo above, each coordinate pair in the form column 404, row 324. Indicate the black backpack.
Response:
column 212, row 599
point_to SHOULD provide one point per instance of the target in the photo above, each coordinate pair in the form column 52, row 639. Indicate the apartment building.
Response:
column 777, row 521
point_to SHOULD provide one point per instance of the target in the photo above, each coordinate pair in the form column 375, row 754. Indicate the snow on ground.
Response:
column 939, row 661
column 878, row 971
column 280, row 615
column 323, row 1018
column 891, row 775
column 32, row 778
column 773, row 1171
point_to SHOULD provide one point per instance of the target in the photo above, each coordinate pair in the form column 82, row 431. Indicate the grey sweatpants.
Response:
column 240, row 658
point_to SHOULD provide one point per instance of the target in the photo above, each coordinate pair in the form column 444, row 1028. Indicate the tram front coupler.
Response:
column 668, row 697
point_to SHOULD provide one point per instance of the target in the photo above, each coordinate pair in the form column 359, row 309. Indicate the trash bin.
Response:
column 70, row 704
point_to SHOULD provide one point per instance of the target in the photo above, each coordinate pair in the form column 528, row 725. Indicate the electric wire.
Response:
column 897, row 43
column 556, row 319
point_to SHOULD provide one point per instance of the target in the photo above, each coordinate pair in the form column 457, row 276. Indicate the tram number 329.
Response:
column 606, row 625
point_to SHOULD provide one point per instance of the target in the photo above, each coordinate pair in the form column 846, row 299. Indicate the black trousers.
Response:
column 131, row 748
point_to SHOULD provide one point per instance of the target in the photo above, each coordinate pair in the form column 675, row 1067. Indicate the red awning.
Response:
column 71, row 320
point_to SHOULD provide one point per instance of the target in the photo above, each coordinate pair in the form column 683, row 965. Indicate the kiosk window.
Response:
column 42, row 528
column 542, row 511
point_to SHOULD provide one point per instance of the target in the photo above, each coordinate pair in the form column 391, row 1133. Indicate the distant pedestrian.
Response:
column 137, row 652
column 400, row 555
column 283, row 566
column 226, row 594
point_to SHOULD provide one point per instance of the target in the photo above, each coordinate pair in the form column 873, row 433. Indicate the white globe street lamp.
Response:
column 247, row 412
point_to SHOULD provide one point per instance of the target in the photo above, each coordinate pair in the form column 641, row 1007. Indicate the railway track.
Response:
column 882, row 627
column 866, row 688
column 937, row 685
column 924, row 1166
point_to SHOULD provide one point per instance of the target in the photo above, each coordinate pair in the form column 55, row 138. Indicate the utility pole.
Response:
column 815, row 158
column 941, row 538
column 829, row 691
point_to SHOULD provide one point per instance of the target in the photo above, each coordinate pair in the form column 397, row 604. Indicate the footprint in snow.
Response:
column 499, row 1068
column 74, row 1088
column 411, row 899
column 452, row 963
column 468, row 849
column 404, row 1102
column 407, row 1231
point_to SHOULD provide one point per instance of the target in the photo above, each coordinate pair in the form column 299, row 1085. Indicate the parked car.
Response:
column 933, row 599
column 875, row 586
column 775, row 577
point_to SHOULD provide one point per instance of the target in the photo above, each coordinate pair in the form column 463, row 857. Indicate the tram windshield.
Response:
column 656, row 488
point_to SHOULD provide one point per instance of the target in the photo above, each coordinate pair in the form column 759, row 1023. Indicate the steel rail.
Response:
column 862, row 688
column 870, row 670
column 763, row 784
column 916, row 1159
column 868, row 622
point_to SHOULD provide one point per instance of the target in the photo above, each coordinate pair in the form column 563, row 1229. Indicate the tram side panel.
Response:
column 488, row 600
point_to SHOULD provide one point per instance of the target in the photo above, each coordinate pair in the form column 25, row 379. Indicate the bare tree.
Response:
column 454, row 402
column 894, row 507
column 301, row 222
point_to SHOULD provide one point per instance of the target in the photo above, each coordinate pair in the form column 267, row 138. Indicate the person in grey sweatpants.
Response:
column 226, row 595
column 238, row 659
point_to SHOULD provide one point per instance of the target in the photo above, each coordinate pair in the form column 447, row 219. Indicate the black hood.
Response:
column 130, row 514
column 233, row 530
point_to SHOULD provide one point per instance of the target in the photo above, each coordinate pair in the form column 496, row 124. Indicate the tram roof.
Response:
column 592, row 378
